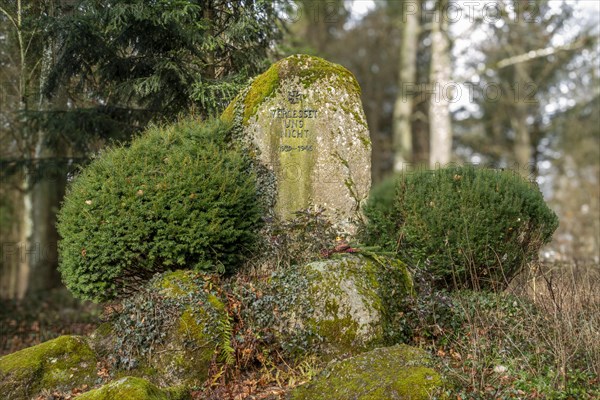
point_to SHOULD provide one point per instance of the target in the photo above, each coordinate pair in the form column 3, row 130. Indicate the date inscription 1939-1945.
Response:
column 286, row 147
column 294, row 126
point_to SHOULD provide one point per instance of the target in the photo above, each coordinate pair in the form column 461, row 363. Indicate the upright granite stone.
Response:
column 304, row 121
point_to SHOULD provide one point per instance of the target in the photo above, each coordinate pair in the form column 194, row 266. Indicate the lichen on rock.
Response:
column 58, row 364
column 133, row 388
column 398, row 372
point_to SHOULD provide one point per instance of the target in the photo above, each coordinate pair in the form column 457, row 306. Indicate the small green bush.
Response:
column 468, row 227
column 178, row 197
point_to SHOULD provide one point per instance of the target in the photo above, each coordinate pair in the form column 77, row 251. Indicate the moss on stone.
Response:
column 300, row 167
column 186, row 358
column 191, row 326
column 177, row 283
column 215, row 302
column 133, row 388
column 262, row 88
column 294, row 194
column 142, row 370
column 194, row 340
column 365, row 141
column 357, row 117
column 341, row 331
column 397, row 372
column 308, row 69
column 229, row 112
column 311, row 69
column 342, row 326
column 178, row 393
column 182, row 316
column 61, row 363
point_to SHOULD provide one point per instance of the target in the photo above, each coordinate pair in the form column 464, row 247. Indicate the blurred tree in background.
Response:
column 29, row 167
column 516, row 76
column 311, row 26
column 440, row 124
column 410, row 14
column 77, row 74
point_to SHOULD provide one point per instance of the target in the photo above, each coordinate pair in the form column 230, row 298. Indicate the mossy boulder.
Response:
column 199, row 331
column 171, row 331
column 397, row 372
column 304, row 122
column 340, row 306
column 133, row 388
column 59, row 364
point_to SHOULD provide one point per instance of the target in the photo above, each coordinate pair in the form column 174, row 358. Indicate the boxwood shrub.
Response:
column 178, row 197
column 468, row 227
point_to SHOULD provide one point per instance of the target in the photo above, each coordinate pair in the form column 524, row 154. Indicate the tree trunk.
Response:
column 522, row 144
column 41, row 189
column 439, row 113
column 47, row 189
column 11, row 207
column 407, row 81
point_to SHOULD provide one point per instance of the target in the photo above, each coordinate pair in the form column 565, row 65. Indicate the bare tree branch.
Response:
column 533, row 54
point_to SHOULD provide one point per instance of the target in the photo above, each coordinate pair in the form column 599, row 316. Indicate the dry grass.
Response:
column 568, row 295
column 539, row 339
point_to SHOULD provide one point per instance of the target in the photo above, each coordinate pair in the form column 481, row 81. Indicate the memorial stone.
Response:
column 304, row 121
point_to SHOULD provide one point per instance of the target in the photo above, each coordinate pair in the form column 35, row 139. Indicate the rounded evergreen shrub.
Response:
column 178, row 197
column 383, row 224
column 468, row 227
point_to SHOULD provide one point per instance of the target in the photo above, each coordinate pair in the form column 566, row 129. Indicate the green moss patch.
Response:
column 62, row 363
column 262, row 88
column 131, row 388
column 397, row 372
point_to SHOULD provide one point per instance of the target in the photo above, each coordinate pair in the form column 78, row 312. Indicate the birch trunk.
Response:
column 20, row 281
column 407, row 79
column 47, row 188
column 522, row 145
column 440, row 126
column 35, row 255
